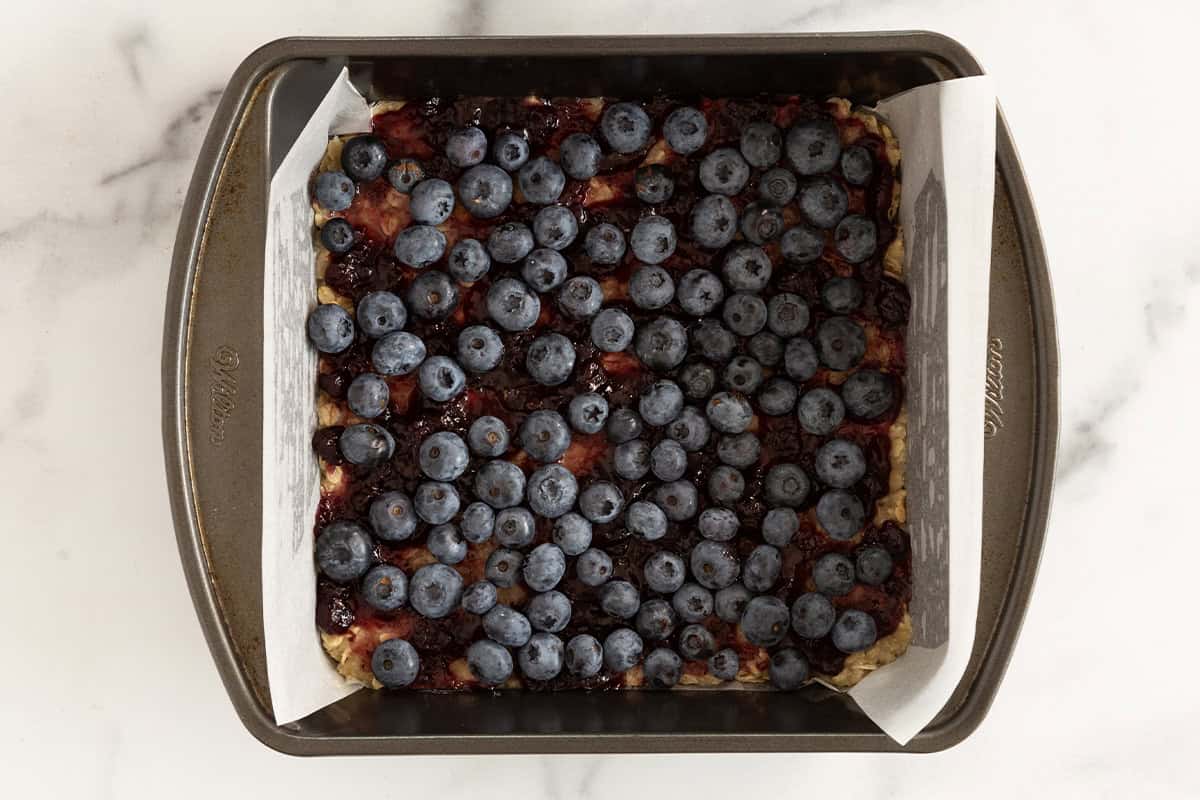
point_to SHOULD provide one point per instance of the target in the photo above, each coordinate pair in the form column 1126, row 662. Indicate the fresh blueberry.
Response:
column 624, row 425
column 477, row 523
column 479, row 348
column 626, row 127
column 580, row 297
column 779, row 526
column 854, row 631
column 447, row 544
column 622, row 650
column 544, row 567
column 762, row 224
column 668, row 460
column 787, row 314
column 384, row 588
column 364, row 158
column 368, row 395
column 744, row 314
column 651, row 287
column 503, row 567
column 545, row 436
column 800, row 359
column 486, row 191
column 840, row 514
column 726, row 485
column 431, row 202
column 690, row 429
column 479, row 597
column 840, row 463
column 713, row 340
column 601, row 502
column 500, row 484
column 739, row 451
column 541, row 181
column 433, row 295
column 572, row 533
column 551, row 491
column 380, row 313
column 436, row 502
column 692, row 602
column 661, row 344
column 441, row 379
column 366, row 444
column 746, row 268
column 488, row 436
column 724, row 664
column 833, row 574
column 512, row 305
column 419, row 246
column 662, row 668
column 664, row 572
column 679, row 500
column 761, row 144
column 873, row 565
column 788, row 670
column 858, row 165
column 443, row 456
column 584, row 656
column 392, row 517
column 777, row 187
column 330, row 328
column 398, row 353
column 801, row 244
column 404, row 174
column 549, row 611
column 842, row 295
column 588, row 412
column 812, row 615
column 778, row 397
column 661, row 402
column 841, row 343
column 869, row 394
column 435, row 590
column 718, row 524
column 786, row 485
column 619, row 599
column 696, row 642
column 631, row 460
column 511, row 150
column 337, row 236
column 698, row 380
column 653, row 184
column 515, row 527
column 580, row 156
column 541, row 658
column 334, row 191
column 714, row 222
column 762, row 568
column 489, row 662
column 813, row 146
column 344, row 551
column 593, row 567
column 507, row 626
column 766, row 347
column 395, row 663
column 612, row 330
column 729, row 412
column 555, row 227
column 820, row 411
column 823, row 202
column 646, row 520
column 855, row 238
column 685, row 130
column 714, row 564
column 544, row 269
column 604, row 244
column 764, row 623
column 509, row 242
column 655, row 619
column 466, row 147
column 653, row 240
column 730, row 602
column 724, row 171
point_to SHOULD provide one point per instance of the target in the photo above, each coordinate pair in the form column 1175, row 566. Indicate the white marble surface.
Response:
column 108, row 689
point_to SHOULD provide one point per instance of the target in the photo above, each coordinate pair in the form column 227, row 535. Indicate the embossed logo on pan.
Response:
column 993, row 399
column 222, row 391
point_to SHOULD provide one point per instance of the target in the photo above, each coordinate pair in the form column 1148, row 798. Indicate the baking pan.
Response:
column 212, row 371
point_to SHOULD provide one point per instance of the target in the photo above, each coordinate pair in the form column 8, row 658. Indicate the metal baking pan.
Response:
column 212, row 371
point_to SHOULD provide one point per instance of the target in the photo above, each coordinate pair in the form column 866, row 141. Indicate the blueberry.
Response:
column 823, row 202
column 718, row 524
column 724, row 664
column 334, row 191
column 762, row 568
column 549, row 611
column 580, row 297
column 854, row 631
column 801, row 244
column 431, row 202
column 364, row 158
column 580, row 156
column 441, row 379
column 739, row 451
column 545, row 436
column 840, row 514
column 698, row 380
column 436, row 502
column 668, row 460
column 820, row 411
column 857, row 165
column 503, row 567
column 833, row 574
column 541, row 658
column 777, row 187
column 601, row 502
column 779, row 526
column 692, row 602
column 604, row 244
column 622, row 650
column 714, row 222
column 726, row 485
column 509, row 242
column 572, row 533
column 489, row 662
column 653, row 240
column 515, row 527
column 612, row 330
column 713, row 340
column 812, row 615
column 404, row 174
column 398, row 353
column 435, row 590
column 392, row 517
column 541, row 181
column 730, row 602
column 813, row 146
column 419, row 246
column 653, row 184
column 788, row 670
column 337, row 236
column 714, row 564
column 724, row 171
column 485, row 191
column 588, row 412
column 873, row 565
column 661, row 344
column 762, row 224
column 655, row 619
column 841, row 343
column 511, row 150
column 479, row 348
column 746, row 268
column 395, row 663
column 330, row 328
column 842, row 295
column 344, row 551
column 447, row 544
column 500, row 484
column 551, row 491
column 778, row 397
column 626, row 127
column 646, row 520
column 593, row 567
column 366, row 444
column 544, row 269
column 869, row 394
column 761, row 144
column 664, row 572
column 466, row 147
column 477, row 523
column 696, row 642
column 685, row 130
column 488, row 436
column 433, row 295
column 744, row 314
column 368, row 395
column 623, row 425
column 443, row 456
column 764, row 623
column 544, row 567
column 661, row 402
column 840, row 463
column 379, row 313
column 651, row 287
column 662, row 668
column 678, row 500
column 787, row 314
column 512, row 305
column 855, row 238
column 729, row 412
column 584, row 656
column 479, row 597
column 631, row 460
column 555, row 227
column 619, row 599
column 765, row 346
column 800, row 359
column 507, row 626
column 786, row 485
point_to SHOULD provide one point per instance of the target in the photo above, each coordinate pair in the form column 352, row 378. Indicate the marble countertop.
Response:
column 109, row 690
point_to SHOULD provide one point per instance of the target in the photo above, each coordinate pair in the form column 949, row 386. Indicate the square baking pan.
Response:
column 212, row 372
